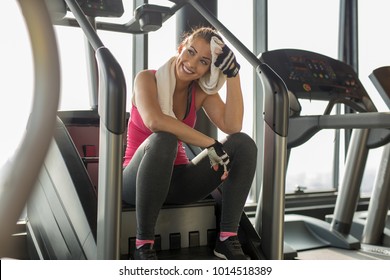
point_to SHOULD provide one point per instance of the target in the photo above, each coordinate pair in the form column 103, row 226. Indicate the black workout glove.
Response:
column 218, row 156
column 226, row 62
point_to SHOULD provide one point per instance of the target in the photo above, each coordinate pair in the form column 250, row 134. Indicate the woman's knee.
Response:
column 164, row 138
column 162, row 143
column 244, row 143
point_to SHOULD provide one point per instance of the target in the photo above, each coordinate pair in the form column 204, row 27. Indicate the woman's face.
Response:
column 194, row 60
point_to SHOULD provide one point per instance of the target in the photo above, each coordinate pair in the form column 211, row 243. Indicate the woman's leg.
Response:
column 146, row 180
column 195, row 181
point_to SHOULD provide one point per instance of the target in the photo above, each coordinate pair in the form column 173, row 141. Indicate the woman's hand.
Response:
column 218, row 156
column 227, row 63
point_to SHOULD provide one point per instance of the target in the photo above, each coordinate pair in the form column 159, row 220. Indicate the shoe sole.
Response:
column 219, row 255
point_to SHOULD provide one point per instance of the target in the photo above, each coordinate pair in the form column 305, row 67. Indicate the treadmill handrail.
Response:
column 360, row 120
column 112, row 111
column 15, row 189
column 302, row 128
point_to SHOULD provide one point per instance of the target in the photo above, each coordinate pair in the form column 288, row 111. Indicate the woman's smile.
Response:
column 186, row 69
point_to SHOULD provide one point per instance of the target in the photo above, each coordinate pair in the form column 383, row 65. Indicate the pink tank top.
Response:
column 137, row 132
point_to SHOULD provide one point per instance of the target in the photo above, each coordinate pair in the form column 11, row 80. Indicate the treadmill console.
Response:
column 380, row 77
column 313, row 76
column 102, row 8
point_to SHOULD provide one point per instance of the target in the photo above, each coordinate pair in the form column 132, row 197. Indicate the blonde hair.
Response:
column 203, row 32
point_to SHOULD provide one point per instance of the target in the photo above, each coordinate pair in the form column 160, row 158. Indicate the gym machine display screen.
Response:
column 313, row 76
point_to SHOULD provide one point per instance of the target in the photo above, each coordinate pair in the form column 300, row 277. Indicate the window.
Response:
column 74, row 76
column 74, row 85
column 312, row 26
column 239, row 21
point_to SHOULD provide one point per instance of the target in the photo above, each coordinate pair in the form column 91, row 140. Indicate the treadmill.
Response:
column 313, row 76
column 372, row 227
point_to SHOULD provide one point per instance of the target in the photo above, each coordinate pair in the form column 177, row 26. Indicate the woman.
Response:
column 163, row 114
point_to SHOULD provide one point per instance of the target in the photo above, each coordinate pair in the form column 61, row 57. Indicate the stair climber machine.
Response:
column 76, row 210
column 313, row 76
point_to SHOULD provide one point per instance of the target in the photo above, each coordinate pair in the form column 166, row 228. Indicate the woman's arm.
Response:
column 227, row 116
column 146, row 100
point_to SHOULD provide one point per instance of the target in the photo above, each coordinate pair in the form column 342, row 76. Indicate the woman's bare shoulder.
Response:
column 145, row 74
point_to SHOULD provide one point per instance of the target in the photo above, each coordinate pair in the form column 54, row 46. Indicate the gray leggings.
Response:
column 151, row 179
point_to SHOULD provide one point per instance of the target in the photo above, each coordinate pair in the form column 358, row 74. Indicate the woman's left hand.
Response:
column 218, row 156
column 227, row 63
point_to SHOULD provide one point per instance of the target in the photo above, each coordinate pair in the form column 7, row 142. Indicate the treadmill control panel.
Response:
column 313, row 76
column 102, row 8
column 380, row 77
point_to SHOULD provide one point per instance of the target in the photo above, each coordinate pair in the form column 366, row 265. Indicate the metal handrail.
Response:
column 18, row 178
